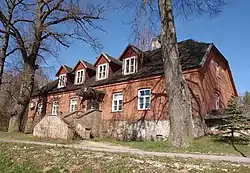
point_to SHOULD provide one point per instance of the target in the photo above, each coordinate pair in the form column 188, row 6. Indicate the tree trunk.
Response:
column 26, row 90
column 3, row 51
column 2, row 60
column 180, row 114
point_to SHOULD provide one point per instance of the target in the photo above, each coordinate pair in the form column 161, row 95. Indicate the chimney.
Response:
column 156, row 44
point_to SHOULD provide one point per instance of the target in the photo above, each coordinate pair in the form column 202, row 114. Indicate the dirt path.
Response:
column 103, row 147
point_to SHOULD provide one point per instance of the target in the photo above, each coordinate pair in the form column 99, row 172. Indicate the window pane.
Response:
column 120, row 105
column 147, row 92
column 117, row 101
column 120, row 108
column 141, row 106
column 132, row 61
column 99, row 75
column 104, row 74
column 141, row 102
column 131, row 68
column 127, row 65
column 142, row 93
column 147, row 102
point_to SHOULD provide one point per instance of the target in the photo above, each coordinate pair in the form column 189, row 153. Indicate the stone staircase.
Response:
column 82, row 131
column 85, row 124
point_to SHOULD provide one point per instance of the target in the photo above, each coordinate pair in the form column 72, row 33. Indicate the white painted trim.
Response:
column 106, row 57
column 76, row 76
column 52, row 112
column 83, row 64
column 206, row 55
column 75, row 99
column 135, row 65
column 138, row 99
column 117, row 103
column 106, row 71
column 59, row 80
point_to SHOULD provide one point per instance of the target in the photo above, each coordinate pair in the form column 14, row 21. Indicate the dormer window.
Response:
column 102, row 71
column 130, row 65
column 79, row 78
column 62, row 81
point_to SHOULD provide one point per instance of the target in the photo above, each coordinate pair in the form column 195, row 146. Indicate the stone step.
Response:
column 82, row 131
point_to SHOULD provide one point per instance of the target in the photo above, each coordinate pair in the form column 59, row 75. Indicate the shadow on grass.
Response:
column 239, row 140
column 234, row 140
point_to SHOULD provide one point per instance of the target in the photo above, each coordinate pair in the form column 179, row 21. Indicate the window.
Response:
column 130, row 65
column 102, row 71
column 117, row 102
column 144, row 96
column 217, row 101
column 79, row 78
column 62, row 81
column 39, row 109
column 55, row 106
column 73, row 105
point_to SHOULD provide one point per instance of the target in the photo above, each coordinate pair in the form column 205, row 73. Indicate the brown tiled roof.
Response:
column 89, row 65
column 192, row 54
column 68, row 69
column 137, row 50
column 114, row 60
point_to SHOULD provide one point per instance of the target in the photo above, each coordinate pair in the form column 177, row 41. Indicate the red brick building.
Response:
column 130, row 90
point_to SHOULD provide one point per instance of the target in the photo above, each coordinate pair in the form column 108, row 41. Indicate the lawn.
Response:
column 208, row 145
column 26, row 158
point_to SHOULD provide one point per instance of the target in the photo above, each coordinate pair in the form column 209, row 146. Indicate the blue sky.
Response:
column 229, row 31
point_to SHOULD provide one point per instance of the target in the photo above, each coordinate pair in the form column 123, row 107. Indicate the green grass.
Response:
column 208, row 145
column 26, row 158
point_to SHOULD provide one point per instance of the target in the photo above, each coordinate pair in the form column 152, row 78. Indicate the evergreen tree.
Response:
column 235, row 122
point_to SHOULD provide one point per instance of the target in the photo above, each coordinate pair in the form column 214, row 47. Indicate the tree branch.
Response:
column 11, row 52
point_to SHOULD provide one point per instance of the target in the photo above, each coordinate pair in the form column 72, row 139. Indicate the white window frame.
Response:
column 78, row 78
column 116, row 108
column 101, row 74
column 125, row 65
column 62, row 81
column 73, row 105
column 217, row 101
column 55, row 108
column 144, row 99
column 39, row 109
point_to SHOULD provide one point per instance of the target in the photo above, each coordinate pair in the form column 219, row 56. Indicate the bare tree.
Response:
column 37, row 27
column 5, row 35
column 183, row 125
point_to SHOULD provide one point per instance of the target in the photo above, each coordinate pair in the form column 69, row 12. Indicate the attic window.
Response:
column 79, row 78
column 102, row 71
column 62, row 81
column 130, row 65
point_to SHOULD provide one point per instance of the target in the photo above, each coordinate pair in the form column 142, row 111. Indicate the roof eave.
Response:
column 204, row 59
column 104, row 54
